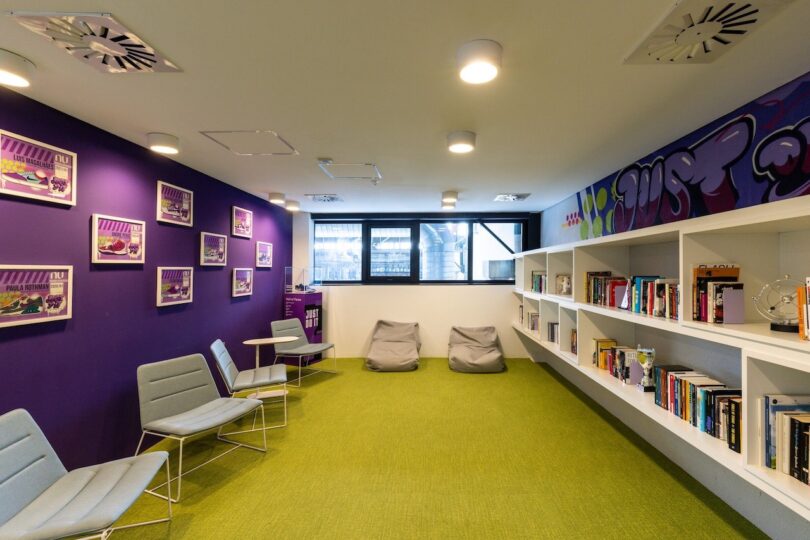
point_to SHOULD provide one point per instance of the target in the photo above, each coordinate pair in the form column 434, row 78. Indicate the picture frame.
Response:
column 117, row 240
column 213, row 249
column 242, row 282
column 175, row 205
column 241, row 222
column 52, row 177
column 264, row 255
column 31, row 294
column 175, row 285
column 563, row 284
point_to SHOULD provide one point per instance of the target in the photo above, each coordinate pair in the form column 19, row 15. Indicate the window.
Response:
column 338, row 252
column 390, row 252
column 443, row 251
column 494, row 243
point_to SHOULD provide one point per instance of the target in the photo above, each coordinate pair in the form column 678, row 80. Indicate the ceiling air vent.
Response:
column 699, row 31
column 324, row 197
column 350, row 171
column 511, row 197
column 97, row 39
column 252, row 142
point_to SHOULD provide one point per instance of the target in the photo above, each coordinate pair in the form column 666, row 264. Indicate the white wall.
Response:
column 352, row 310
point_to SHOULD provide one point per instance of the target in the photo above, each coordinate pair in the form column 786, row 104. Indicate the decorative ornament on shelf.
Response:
column 777, row 302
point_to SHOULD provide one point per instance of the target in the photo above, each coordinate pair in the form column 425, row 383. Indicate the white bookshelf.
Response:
column 767, row 242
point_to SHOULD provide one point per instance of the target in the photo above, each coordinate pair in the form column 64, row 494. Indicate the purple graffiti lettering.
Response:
column 663, row 191
column 782, row 159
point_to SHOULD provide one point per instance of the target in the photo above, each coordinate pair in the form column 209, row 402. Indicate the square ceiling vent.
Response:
column 511, row 197
column 699, row 31
column 97, row 39
column 350, row 171
column 253, row 142
column 324, row 197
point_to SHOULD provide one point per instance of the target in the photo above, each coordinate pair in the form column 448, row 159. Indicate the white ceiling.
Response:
column 375, row 80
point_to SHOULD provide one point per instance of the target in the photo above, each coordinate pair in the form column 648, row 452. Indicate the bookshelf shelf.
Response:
column 766, row 242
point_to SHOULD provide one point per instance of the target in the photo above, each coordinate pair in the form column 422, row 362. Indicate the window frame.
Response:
column 362, row 243
column 414, row 222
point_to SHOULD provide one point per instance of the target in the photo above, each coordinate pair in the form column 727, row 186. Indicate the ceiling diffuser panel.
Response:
column 252, row 142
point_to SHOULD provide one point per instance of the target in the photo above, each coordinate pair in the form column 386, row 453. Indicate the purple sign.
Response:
column 264, row 255
column 307, row 308
column 118, row 240
column 242, row 282
column 175, row 204
column 241, row 222
column 175, row 285
column 35, row 294
column 35, row 170
column 213, row 249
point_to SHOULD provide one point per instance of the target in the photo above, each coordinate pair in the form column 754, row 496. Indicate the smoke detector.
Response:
column 511, row 197
column 324, row 197
column 350, row 171
column 699, row 31
column 97, row 39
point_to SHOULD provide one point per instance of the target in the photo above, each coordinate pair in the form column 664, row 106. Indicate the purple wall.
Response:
column 77, row 377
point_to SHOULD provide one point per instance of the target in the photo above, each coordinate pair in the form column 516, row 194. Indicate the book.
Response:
column 600, row 346
column 702, row 275
column 660, row 376
column 539, row 281
column 710, row 415
column 659, row 308
column 574, row 340
column 733, row 305
column 799, row 427
column 735, row 424
column 715, row 295
column 774, row 403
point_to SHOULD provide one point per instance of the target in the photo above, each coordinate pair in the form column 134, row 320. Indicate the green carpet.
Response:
column 437, row 454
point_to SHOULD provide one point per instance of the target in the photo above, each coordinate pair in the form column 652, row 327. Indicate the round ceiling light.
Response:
column 15, row 70
column 277, row 198
column 450, row 196
column 163, row 143
column 292, row 206
column 461, row 142
column 479, row 61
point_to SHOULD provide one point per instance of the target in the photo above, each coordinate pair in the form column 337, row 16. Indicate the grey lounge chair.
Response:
column 251, row 379
column 179, row 400
column 475, row 350
column 40, row 499
column 394, row 347
column 301, row 348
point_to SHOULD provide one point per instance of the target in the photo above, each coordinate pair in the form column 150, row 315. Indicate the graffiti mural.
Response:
column 754, row 155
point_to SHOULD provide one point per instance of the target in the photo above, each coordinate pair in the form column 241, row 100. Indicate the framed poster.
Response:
column 242, row 284
column 213, row 249
column 175, row 204
column 241, row 222
column 175, row 285
column 118, row 240
column 264, row 255
column 35, row 294
column 36, row 170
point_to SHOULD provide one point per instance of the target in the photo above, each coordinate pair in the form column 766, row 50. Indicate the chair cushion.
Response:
column 85, row 500
column 263, row 376
column 306, row 350
column 213, row 414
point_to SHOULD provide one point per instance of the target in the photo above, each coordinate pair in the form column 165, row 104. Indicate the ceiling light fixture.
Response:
column 277, row 198
column 448, row 206
column 292, row 206
column 461, row 142
column 15, row 70
column 163, row 143
column 449, row 196
column 479, row 61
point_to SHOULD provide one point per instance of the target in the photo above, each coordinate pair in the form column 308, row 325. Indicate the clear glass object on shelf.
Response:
column 301, row 279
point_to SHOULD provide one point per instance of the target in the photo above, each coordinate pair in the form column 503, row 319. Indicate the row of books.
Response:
column 539, row 281
column 629, row 365
column 574, row 340
column 717, row 294
column 704, row 402
column 650, row 295
column 785, row 434
column 534, row 322
column 553, row 332
column 803, row 303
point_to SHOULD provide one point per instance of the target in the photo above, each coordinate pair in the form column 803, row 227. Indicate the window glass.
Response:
column 492, row 261
column 390, row 252
column 443, row 251
column 337, row 252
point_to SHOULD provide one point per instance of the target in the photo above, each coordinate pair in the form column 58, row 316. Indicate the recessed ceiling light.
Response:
column 449, row 196
column 479, row 61
column 15, row 70
column 292, row 206
column 461, row 142
column 163, row 143
column 277, row 198
column 448, row 206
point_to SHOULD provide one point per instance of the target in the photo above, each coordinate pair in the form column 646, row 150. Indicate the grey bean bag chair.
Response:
column 475, row 350
column 394, row 347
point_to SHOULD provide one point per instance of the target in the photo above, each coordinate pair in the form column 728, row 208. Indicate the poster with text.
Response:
column 213, row 249
column 36, row 170
column 175, row 285
column 175, row 204
column 118, row 240
column 241, row 222
column 264, row 255
column 242, row 282
column 35, row 294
